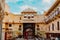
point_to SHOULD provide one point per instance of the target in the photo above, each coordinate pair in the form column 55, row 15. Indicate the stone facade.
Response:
column 48, row 23
column 1, row 16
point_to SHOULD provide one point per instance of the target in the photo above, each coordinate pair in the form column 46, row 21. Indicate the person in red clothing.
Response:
column 26, row 35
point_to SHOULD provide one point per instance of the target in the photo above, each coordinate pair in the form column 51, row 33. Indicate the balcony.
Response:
column 53, row 15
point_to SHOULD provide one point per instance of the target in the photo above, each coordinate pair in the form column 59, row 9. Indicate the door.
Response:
column 29, row 29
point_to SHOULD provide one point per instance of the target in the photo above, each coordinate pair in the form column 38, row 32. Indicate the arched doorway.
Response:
column 29, row 28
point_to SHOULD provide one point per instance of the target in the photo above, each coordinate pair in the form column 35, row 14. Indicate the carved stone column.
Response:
column 1, row 18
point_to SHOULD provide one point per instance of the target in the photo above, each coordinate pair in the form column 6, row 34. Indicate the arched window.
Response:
column 32, row 16
column 10, row 25
column 58, row 28
column 52, row 26
column 37, row 25
column 28, row 17
column 0, row 7
column 20, row 18
column 19, row 27
column 49, row 27
column 25, row 17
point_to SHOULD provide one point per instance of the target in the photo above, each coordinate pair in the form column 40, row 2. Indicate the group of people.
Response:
column 29, row 35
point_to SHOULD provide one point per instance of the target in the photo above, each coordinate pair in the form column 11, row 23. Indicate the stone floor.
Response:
column 26, row 39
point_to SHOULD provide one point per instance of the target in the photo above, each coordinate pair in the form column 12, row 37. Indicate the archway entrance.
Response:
column 28, row 30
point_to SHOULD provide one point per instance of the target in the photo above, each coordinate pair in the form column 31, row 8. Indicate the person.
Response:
column 26, row 35
column 56, row 38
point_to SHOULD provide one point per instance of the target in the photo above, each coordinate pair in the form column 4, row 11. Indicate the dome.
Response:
column 28, row 10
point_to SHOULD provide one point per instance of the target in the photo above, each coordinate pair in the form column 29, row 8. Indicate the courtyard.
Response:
column 30, row 20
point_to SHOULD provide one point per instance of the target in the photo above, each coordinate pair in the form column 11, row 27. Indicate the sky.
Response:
column 17, row 6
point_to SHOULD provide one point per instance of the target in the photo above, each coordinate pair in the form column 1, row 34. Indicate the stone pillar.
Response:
column 1, row 17
column 0, row 31
column 0, row 22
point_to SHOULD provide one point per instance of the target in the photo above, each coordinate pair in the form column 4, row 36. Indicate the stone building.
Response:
column 53, row 20
column 1, row 16
column 48, row 23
